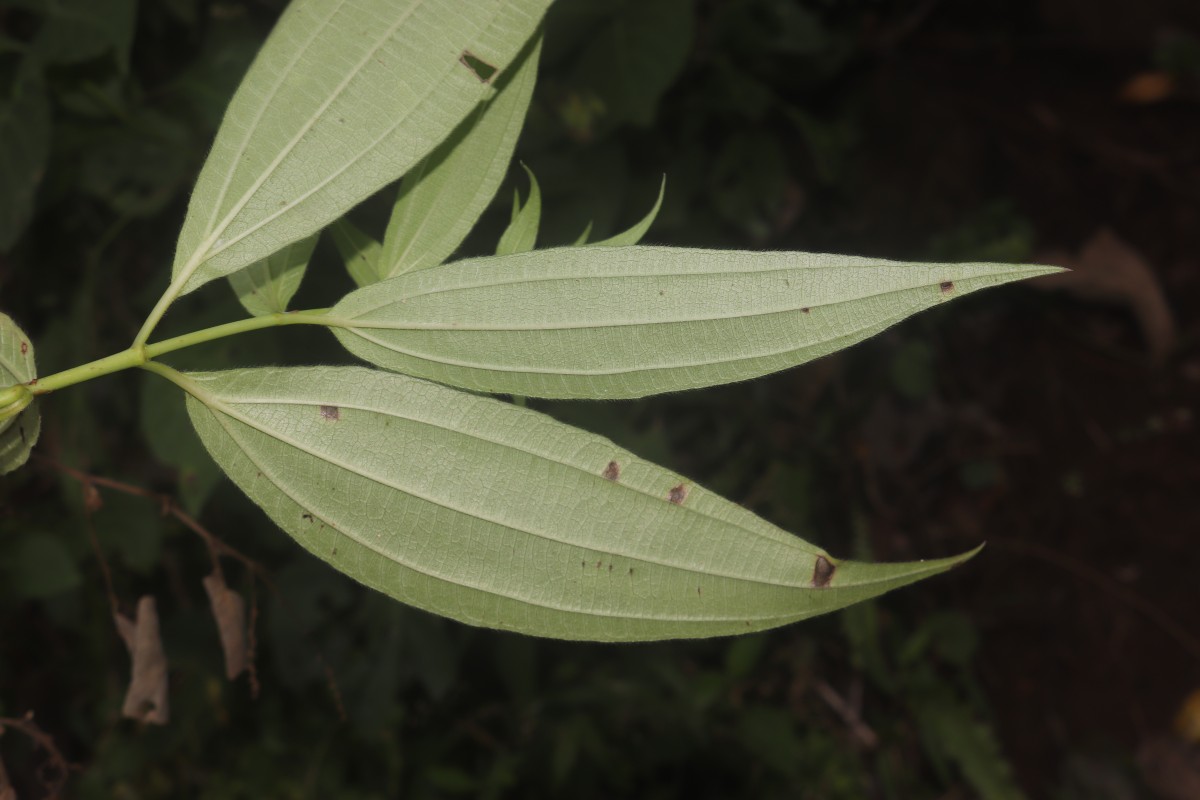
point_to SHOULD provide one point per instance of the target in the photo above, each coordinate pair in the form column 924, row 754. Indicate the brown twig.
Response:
column 54, row 770
column 849, row 714
column 1090, row 574
column 216, row 548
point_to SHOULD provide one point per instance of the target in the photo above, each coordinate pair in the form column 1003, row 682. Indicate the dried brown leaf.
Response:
column 146, row 698
column 229, row 610
column 1108, row 270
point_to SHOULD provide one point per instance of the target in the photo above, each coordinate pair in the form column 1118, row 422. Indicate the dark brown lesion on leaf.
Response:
column 24, row 348
column 479, row 68
column 947, row 287
column 678, row 494
column 332, row 413
column 307, row 516
column 612, row 471
column 806, row 310
column 822, row 572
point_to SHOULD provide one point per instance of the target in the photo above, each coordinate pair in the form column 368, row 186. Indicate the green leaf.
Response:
column 343, row 98
column 76, row 30
column 635, row 234
column 359, row 251
column 521, row 234
column 632, row 321
column 25, row 132
column 583, row 237
column 19, row 433
column 500, row 516
column 39, row 566
column 636, row 56
column 267, row 286
column 441, row 199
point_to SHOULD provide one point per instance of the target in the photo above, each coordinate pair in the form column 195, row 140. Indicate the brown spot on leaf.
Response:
column 822, row 572
column 479, row 68
column 229, row 610
column 678, row 494
column 146, row 698
column 332, row 413
column 612, row 471
column 24, row 348
column 334, row 553
column 947, row 287
column 631, row 570
column 307, row 516
column 598, row 564
column 610, row 567
column 806, row 310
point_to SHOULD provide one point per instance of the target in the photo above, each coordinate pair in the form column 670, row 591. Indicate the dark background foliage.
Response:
column 1057, row 426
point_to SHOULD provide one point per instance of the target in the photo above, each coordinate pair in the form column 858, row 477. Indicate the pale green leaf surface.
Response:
column 25, row 133
column 359, row 251
column 18, row 434
column 631, row 321
column 442, row 198
column 267, row 286
column 344, row 97
column 521, row 234
column 635, row 234
column 499, row 516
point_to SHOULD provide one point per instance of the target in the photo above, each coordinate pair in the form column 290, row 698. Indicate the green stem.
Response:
column 138, row 355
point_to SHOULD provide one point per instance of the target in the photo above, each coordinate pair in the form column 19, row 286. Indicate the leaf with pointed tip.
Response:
column 442, row 198
column 344, row 98
column 521, row 234
column 597, row 322
column 499, row 516
column 267, row 286
column 25, row 132
column 583, row 237
column 19, row 433
column 635, row 234
column 359, row 251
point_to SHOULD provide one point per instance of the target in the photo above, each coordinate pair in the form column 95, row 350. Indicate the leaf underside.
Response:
column 18, row 434
column 502, row 517
column 633, row 321
column 442, row 198
column 267, row 286
column 343, row 98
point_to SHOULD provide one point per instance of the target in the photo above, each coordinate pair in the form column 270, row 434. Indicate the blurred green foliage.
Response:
column 106, row 112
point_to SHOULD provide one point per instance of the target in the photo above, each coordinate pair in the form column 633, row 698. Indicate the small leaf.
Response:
column 38, row 565
column 76, row 30
column 229, row 611
column 631, row 60
column 146, row 698
column 596, row 322
column 358, row 250
column 19, row 433
column 25, row 132
column 267, row 286
column 342, row 99
column 499, row 516
column 443, row 196
column 583, row 237
column 635, row 234
column 521, row 234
